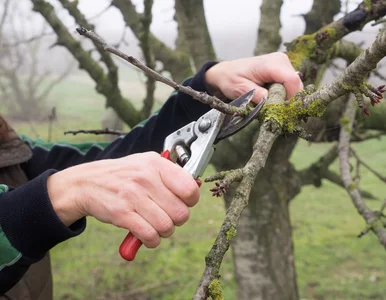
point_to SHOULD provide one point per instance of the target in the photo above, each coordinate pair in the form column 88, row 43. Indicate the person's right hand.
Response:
column 144, row 193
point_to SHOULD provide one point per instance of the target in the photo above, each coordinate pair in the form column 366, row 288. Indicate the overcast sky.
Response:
column 232, row 24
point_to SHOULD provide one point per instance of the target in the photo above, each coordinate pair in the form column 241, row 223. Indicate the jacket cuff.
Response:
column 29, row 221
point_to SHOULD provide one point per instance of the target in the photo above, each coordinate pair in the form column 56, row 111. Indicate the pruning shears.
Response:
column 192, row 148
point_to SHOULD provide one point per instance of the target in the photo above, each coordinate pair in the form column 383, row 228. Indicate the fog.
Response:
column 232, row 25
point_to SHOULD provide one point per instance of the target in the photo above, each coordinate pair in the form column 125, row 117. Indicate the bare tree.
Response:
column 257, row 210
column 24, row 83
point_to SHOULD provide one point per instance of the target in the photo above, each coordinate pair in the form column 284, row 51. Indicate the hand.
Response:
column 138, row 192
column 237, row 77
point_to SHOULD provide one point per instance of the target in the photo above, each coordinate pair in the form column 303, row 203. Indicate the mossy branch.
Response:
column 269, row 132
column 353, row 79
column 311, row 103
column 308, row 51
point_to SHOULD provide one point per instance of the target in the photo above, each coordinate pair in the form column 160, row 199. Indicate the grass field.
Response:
column 331, row 262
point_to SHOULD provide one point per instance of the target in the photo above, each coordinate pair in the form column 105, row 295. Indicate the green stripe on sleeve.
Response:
column 80, row 147
column 3, row 188
column 8, row 254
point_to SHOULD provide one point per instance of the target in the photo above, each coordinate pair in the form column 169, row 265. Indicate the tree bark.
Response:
column 268, row 39
column 191, row 20
column 263, row 248
column 176, row 62
column 321, row 14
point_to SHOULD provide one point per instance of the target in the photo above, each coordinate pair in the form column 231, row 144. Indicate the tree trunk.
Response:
column 193, row 31
column 263, row 249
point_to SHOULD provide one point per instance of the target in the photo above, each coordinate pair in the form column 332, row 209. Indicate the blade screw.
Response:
column 204, row 125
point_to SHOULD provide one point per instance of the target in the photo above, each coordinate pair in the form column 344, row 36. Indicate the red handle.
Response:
column 130, row 245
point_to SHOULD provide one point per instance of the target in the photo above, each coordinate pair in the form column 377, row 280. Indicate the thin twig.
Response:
column 227, row 178
column 212, row 101
column 380, row 21
column 360, row 137
column 383, row 206
column 360, row 161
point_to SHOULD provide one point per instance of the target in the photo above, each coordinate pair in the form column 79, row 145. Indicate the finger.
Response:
column 244, row 86
column 179, row 182
column 292, row 84
column 282, row 71
column 176, row 209
column 155, row 216
column 140, row 228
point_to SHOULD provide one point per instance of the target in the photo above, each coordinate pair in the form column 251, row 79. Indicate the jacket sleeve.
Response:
column 179, row 110
column 29, row 226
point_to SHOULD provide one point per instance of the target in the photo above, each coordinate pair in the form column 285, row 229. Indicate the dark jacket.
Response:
column 29, row 225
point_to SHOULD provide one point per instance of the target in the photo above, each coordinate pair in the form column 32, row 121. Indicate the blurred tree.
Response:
column 263, row 249
column 24, row 84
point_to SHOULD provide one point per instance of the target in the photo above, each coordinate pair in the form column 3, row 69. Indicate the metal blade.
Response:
column 232, row 124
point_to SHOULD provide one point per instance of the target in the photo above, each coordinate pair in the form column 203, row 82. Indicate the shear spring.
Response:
column 182, row 154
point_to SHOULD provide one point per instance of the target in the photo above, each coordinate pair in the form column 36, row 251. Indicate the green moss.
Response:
column 231, row 233
column 300, row 49
column 215, row 290
column 367, row 4
column 305, row 47
column 377, row 224
column 352, row 186
column 288, row 114
column 344, row 122
column 330, row 31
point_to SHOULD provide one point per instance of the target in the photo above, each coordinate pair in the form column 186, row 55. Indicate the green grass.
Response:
column 331, row 262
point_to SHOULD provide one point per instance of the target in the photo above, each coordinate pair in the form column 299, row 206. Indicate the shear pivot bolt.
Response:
column 204, row 125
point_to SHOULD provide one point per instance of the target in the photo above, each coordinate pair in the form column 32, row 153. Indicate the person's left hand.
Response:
column 237, row 77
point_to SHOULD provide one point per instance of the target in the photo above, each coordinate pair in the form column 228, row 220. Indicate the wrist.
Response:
column 63, row 199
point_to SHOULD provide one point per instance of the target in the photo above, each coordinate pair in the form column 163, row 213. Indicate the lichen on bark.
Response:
column 215, row 290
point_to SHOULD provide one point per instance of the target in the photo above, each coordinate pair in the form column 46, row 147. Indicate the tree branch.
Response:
column 268, row 37
column 361, row 162
column 268, row 134
column 353, row 78
column 176, row 62
column 372, row 218
column 276, row 117
column 307, row 51
column 212, row 101
column 111, row 91
column 148, row 54
column 193, row 31
column 72, row 8
column 319, row 170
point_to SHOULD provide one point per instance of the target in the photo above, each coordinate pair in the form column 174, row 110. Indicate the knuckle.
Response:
column 150, row 237
column 141, row 179
column 153, row 157
column 190, row 192
column 166, row 227
column 181, row 216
